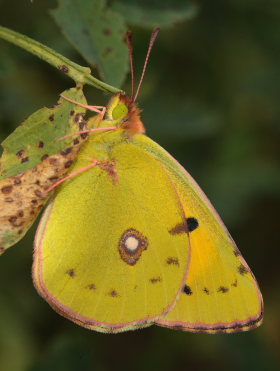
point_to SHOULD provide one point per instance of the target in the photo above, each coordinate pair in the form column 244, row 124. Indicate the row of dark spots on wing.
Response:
column 113, row 293
column 71, row 273
column 221, row 289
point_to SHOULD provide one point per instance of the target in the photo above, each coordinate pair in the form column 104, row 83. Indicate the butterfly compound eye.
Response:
column 120, row 111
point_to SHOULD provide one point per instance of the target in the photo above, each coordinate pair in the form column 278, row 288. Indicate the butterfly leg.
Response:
column 94, row 163
column 99, row 109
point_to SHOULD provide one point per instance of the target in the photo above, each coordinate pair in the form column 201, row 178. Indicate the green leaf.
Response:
column 155, row 13
column 36, row 137
column 97, row 32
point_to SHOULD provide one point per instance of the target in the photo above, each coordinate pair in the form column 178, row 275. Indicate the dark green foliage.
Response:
column 211, row 98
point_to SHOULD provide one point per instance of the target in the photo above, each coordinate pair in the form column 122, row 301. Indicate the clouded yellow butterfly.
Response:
column 131, row 240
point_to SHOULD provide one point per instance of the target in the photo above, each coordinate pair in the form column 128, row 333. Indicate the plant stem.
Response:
column 78, row 73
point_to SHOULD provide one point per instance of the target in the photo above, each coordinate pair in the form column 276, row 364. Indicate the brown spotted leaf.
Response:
column 35, row 139
column 97, row 32
column 23, row 196
column 23, row 192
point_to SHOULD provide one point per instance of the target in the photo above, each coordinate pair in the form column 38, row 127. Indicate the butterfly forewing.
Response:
column 104, row 254
column 220, row 292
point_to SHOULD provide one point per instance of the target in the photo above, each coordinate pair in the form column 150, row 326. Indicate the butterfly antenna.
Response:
column 152, row 41
column 130, row 48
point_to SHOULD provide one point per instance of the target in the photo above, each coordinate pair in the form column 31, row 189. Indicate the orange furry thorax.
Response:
column 132, row 123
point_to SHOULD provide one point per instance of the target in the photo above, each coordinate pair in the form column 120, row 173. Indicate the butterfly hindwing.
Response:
column 104, row 254
column 220, row 292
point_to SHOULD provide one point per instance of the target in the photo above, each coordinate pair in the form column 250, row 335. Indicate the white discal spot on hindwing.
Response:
column 132, row 244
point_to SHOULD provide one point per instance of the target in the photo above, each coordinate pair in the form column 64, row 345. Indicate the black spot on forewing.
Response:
column 91, row 286
column 206, row 291
column 71, row 272
column 189, row 225
column 173, row 261
column 187, row 290
column 242, row 270
column 192, row 224
column 223, row 289
column 155, row 279
column 114, row 294
column 234, row 284
column 236, row 251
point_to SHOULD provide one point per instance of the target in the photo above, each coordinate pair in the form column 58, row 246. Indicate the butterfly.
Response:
column 131, row 240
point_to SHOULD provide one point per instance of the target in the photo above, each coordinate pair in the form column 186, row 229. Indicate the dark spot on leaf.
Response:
column 63, row 68
column 39, row 194
column 242, row 270
column 78, row 117
column 72, row 113
column 38, row 182
column 20, row 213
column 34, row 201
column 25, row 159
column 20, row 153
column 13, row 220
column 7, row 189
column 187, row 290
column 234, row 284
column 206, row 291
column 71, row 272
column 82, row 125
column 84, row 135
column 17, row 181
column 173, row 261
column 68, row 164
column 53, row 160
column 53, row 178
column 9, row 199
column 41, row 144
column 223, row 289
column 44, row 157
column 66, row 151
column 51, row 117
column 76, row 141
column 192, row 224
column 155, row 279
column 92, row 286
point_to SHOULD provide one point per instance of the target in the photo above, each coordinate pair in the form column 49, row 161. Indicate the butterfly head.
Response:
column 125, row 114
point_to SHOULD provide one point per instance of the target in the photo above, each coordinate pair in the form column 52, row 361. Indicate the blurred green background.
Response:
column 211, row 98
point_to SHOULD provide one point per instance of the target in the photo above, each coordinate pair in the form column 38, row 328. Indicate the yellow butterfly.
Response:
column 131, row 240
